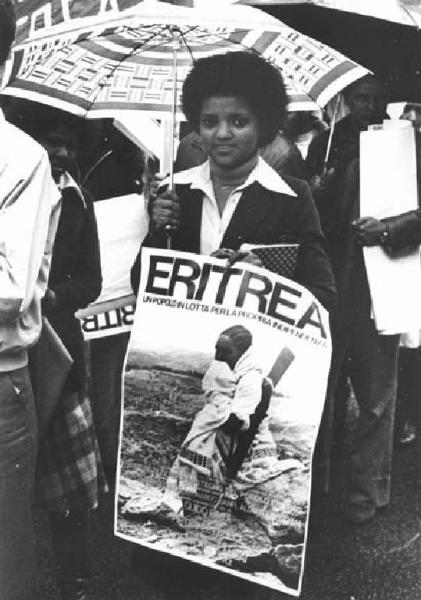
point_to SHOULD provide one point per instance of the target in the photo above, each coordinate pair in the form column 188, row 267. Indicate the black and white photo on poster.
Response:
column 224, row 387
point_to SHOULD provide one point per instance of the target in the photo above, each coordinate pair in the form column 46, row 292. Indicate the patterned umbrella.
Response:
column 382, row 35
column 138, row 58
column 405, row 12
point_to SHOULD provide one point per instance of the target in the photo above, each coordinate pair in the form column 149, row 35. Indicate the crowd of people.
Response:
column 241, row 176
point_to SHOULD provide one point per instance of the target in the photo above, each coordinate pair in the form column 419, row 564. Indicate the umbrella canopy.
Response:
column 35, row 15
column 379, row 34
column 125, row 60
column 406, row 12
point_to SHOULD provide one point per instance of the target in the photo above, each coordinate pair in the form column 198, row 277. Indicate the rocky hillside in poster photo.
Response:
column 260, row 531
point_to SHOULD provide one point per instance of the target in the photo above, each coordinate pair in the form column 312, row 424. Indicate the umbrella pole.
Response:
column 176, row 46
column 331, row 132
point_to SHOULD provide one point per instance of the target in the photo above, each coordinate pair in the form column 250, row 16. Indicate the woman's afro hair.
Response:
column 241, row 74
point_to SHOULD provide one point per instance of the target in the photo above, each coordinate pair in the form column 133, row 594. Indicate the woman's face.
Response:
column 229, row 131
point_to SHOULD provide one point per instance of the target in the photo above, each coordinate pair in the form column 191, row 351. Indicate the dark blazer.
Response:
column 75, row 274
column 261, row 217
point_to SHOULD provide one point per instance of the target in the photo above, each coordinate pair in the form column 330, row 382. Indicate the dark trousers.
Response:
column 69, row 536
column 107, row 358
column 409, row 387
column 372, row 369
column 18, row 447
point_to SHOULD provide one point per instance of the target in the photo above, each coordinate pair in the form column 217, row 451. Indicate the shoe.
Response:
column 408, row 434
column 77, row 589
column 359, row 513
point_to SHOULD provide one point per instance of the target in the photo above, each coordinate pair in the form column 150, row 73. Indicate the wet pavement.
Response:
column 377, row 561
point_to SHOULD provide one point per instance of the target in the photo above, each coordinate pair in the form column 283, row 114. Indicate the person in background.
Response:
column 371, row 358
column 301, row 127
column 111, row 166
column 235, row 197
column 69, row 475
column 408, row 403
column 29, row 210
column 367, row 101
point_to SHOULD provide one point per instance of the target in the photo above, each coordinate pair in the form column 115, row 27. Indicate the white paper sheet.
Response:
column 388, row 188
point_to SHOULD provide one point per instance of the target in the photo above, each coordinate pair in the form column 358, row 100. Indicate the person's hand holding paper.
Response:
column 369, row 231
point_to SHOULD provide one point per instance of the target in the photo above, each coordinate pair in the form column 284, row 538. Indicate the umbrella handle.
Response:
column 169, row 229
column 175, row 47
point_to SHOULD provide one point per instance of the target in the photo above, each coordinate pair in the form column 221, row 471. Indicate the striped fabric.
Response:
column 128, row 65
column 69, row 468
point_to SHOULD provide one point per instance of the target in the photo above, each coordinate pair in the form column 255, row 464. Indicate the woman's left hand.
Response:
column 223, row 253
column 247, row 257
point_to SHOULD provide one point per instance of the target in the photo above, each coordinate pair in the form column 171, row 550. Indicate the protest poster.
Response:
column 215, row 462
column 122, row 224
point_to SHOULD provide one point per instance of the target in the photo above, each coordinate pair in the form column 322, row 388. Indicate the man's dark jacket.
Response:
column 404, row 232
column 345, row 147
column 75, row 274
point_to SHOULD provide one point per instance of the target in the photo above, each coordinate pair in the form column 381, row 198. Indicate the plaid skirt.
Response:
column 69, row 469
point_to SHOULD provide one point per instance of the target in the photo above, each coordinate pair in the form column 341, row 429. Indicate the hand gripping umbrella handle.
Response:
column 169, row 232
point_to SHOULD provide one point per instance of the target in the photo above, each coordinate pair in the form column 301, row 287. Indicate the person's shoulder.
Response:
column 320, row 139
column 19, row 139
column 342, row 128
column 283, row 155
column 191, row 139
column 270, row 180
column 190, row 152
column 303, row 195
column 280, row 143
column 300, row 186
column 26, row 152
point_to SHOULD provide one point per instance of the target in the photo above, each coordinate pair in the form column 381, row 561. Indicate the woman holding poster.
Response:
column 231, row 464
column 237, row 103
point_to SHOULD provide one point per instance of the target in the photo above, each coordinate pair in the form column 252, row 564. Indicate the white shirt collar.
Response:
column 199, row 178
column 67, row 181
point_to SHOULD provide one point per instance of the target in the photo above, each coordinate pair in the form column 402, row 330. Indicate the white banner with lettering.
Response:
column 122, row 225
column 224, row 388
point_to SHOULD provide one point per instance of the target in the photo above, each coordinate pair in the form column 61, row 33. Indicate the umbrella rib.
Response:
column 409, row 14
column 186, row 44
column 139, row 45
column 95, row 165
column 130, row 54
column 168, row 28
column 230, row 41
column 86, row 38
